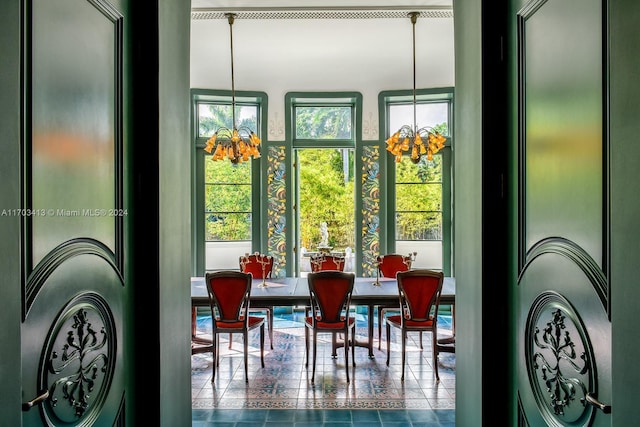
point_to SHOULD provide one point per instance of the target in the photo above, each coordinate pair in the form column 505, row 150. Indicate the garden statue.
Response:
column 324, row 235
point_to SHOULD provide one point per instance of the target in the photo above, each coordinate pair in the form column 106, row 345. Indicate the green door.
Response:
column 73, row 226
column 563, row 325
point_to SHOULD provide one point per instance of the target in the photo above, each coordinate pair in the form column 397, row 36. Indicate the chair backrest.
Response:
column 259, row 265
column 390, row 264
column 419, row 292
column 229, row 293
column 324, row 262
column 330, row 293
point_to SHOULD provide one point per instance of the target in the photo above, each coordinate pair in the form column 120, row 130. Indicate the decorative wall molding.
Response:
column 370, row 127
column 276, row 128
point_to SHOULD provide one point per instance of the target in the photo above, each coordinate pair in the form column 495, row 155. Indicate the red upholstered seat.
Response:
column 396, row 320
column 328, row 325
column 253, row 321
column 330, row 293
column 419, row 295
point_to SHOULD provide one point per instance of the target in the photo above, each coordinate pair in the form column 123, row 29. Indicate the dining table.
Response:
column 368, row 291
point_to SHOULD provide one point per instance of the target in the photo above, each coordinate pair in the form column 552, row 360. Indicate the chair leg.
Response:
column 346, row 352
column 270, row 321
column 421, row 340
column 230, row 340
column 388, row 341
column 435, row 354
column 193, row 322
column 380, row 317
column 214, row 347
column 404, row 346
column 306, row 346
column 246, row 356
column 315, row 348
column 262, row 345
column 334, row 346
column 353, row 344
column 216, row 359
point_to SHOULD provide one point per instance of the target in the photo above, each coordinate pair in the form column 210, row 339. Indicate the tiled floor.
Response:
column 282, row 394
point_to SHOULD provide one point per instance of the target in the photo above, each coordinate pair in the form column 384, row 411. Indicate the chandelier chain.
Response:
column 231, row 19
column 418, row 142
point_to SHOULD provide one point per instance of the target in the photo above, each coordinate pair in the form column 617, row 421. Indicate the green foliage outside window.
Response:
column 227, row 201
column 323, row 122
column 211, row 117
column 419, row 197
column 326, row 195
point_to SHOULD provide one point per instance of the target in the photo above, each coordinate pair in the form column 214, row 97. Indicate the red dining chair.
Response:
column 229, row 293
column 388, row 266
column 260, row 266
column 330, row 293
column 322, row 262
column 419, row 292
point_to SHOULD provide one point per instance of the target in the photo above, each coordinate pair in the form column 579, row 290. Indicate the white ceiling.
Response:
column 314, row 45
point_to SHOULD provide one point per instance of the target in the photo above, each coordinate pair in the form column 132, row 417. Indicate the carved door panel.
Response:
column 563, row 324
column 73, row 239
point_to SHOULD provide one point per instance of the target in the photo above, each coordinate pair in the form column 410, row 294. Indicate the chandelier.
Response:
column 240, row 143
column 409, row 138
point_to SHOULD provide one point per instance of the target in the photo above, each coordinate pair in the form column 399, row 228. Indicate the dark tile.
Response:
column 249, row 424
column 226, row 415
column 422, row 416
column 309, row 415
column 253, row 416
column 397, row 424
column 365, row 415
column 394, row 416
column 281, row 415
column 337, row 416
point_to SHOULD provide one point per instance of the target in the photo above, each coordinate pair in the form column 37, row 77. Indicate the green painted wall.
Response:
column 10, row 315
column 468, row 207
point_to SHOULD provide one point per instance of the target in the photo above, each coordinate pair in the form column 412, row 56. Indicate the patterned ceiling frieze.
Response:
column 431, row 12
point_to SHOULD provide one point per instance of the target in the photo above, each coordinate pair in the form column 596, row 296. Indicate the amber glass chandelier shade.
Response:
column 240, row 143
column 417, row 142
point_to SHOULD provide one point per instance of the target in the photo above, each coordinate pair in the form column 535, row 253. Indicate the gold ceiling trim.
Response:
column 431, row 12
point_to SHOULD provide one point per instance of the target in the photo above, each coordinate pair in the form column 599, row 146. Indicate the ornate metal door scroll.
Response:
column 561, row 363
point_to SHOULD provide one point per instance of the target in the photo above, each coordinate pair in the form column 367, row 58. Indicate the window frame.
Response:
column 388, row 184
column 258, row 234
column 311, row 99
column 294, row 99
